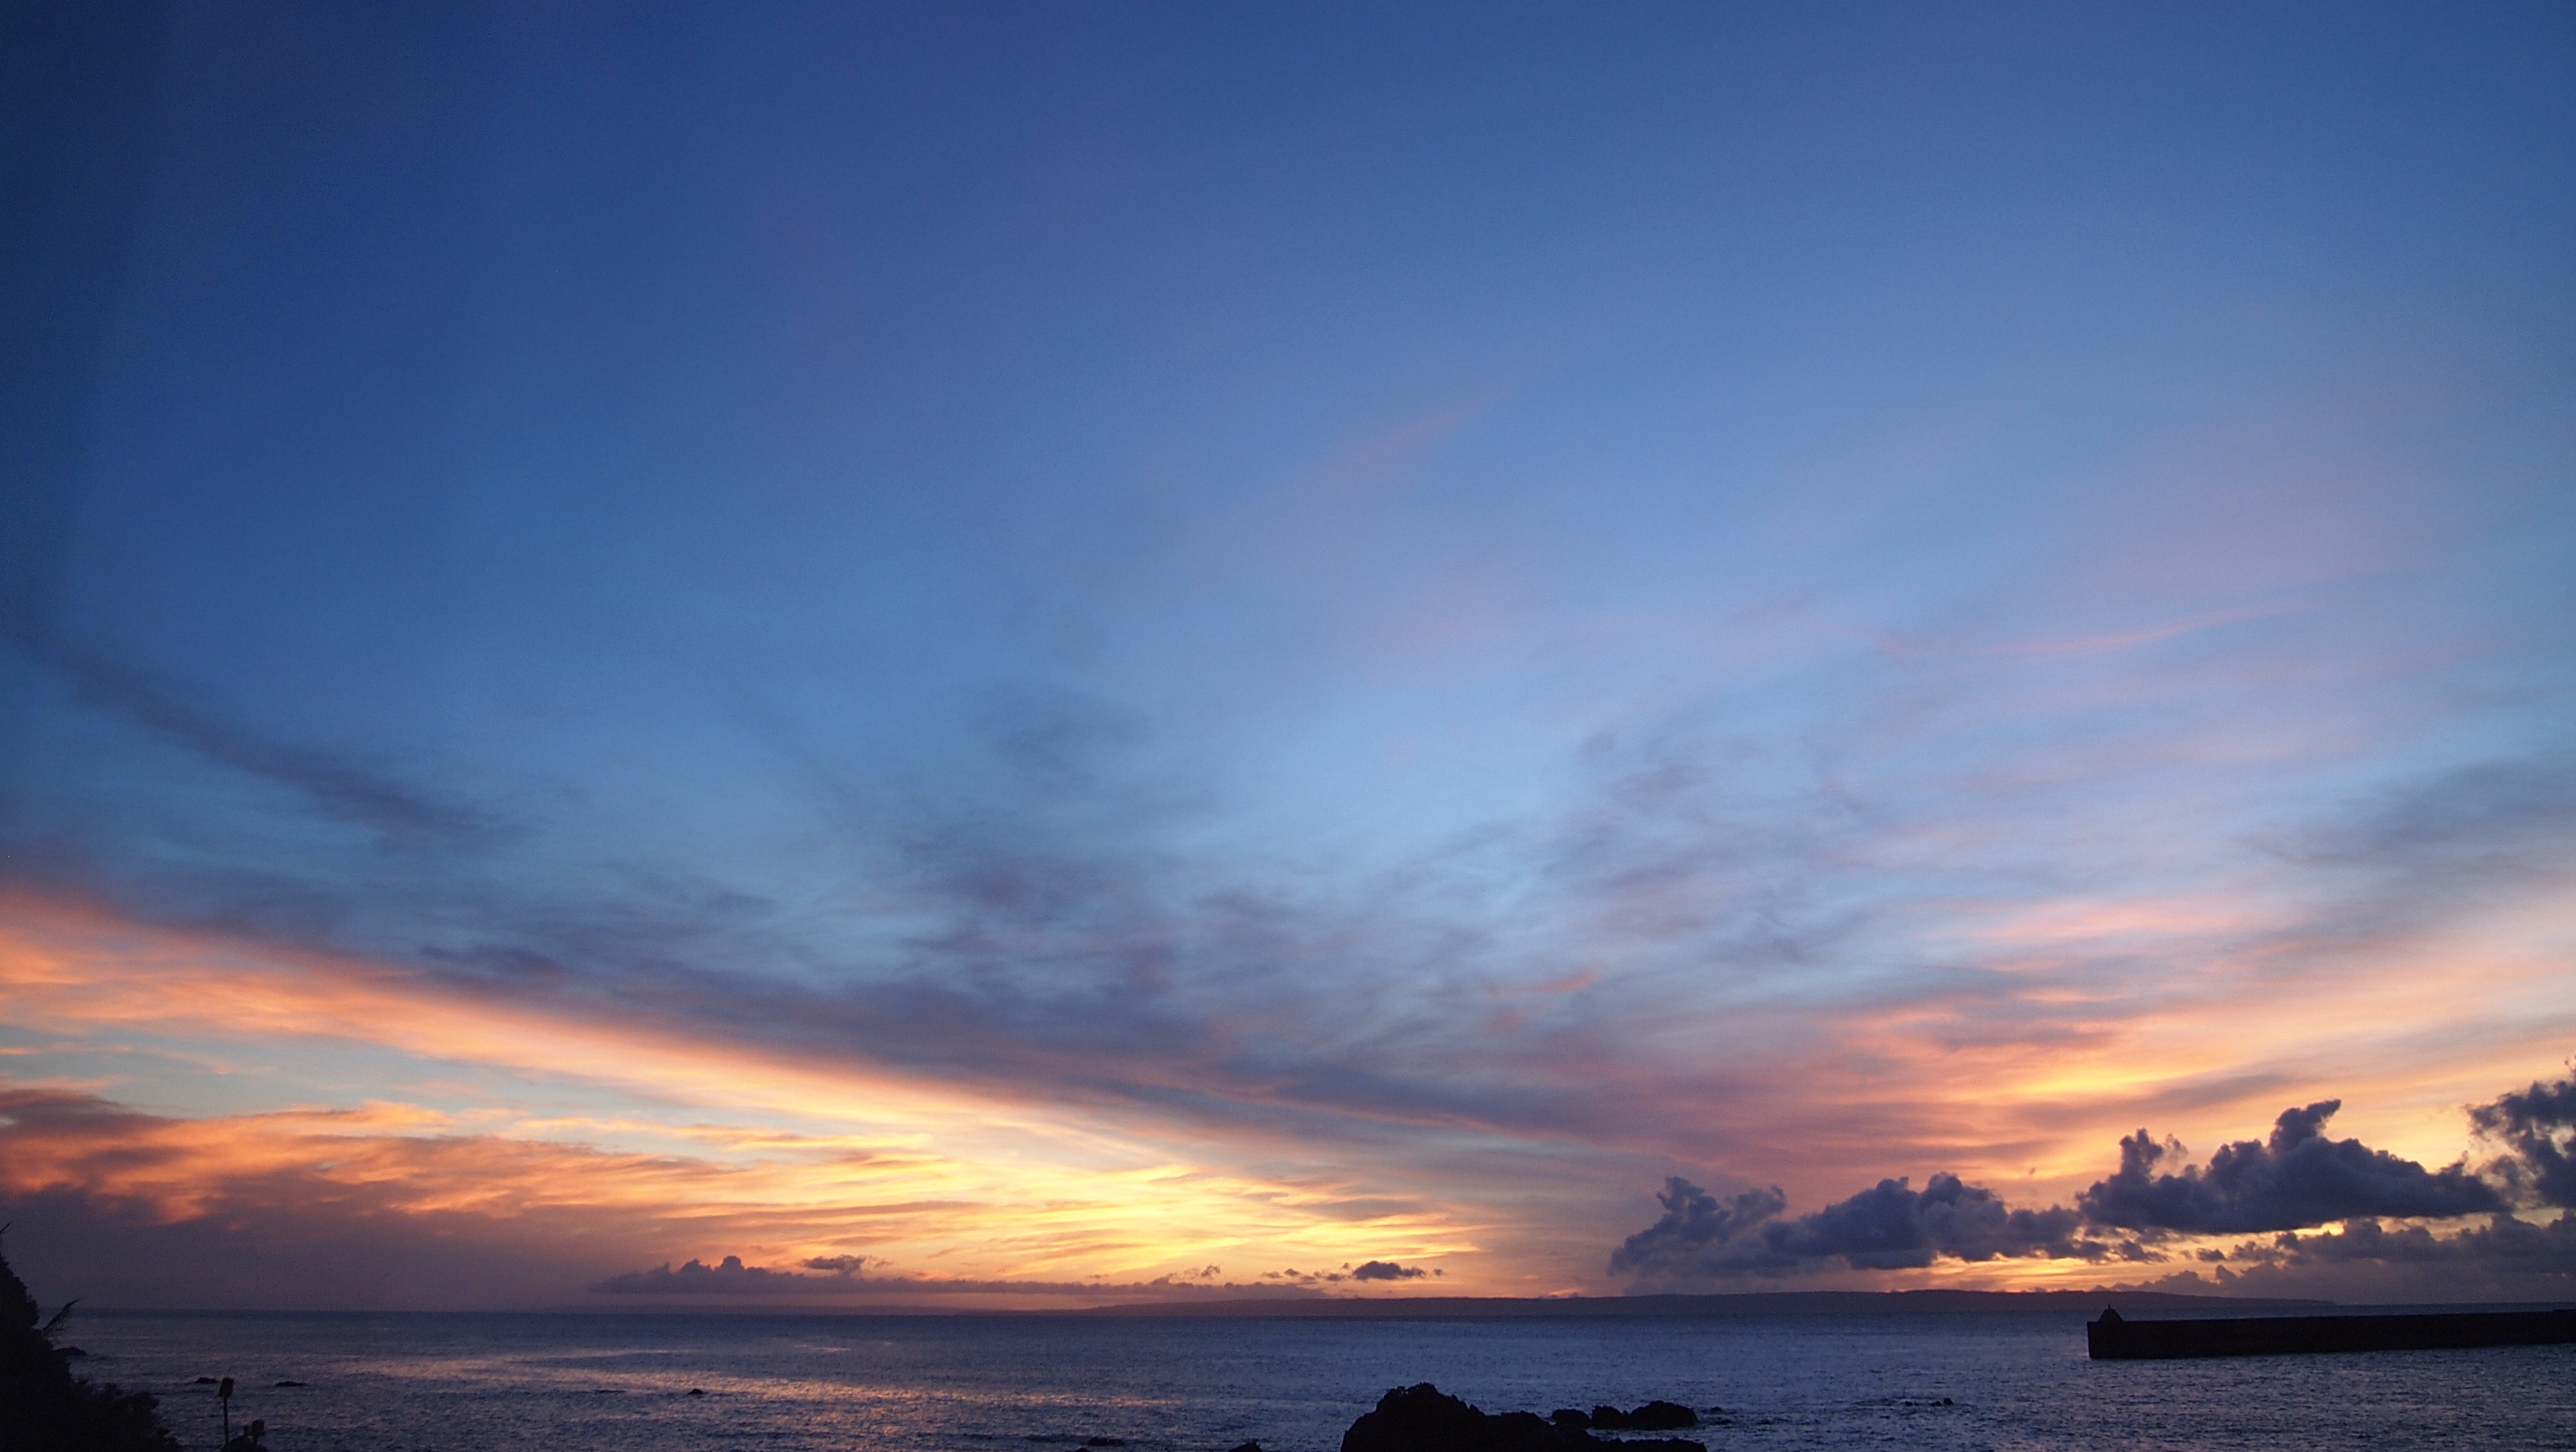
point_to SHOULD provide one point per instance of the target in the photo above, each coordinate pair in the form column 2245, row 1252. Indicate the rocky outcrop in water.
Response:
column 1425, row 1419
column 1652, row 1417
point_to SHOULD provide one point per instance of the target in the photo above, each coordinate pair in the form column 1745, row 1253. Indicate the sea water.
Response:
column 573, row 1383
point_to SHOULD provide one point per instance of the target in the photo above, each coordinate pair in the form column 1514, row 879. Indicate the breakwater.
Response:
column 2115, row 1339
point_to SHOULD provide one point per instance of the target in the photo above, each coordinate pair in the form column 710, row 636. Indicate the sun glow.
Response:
column 787, row 1161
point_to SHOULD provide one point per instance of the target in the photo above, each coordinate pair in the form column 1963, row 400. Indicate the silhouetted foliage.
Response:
column 44, row 1408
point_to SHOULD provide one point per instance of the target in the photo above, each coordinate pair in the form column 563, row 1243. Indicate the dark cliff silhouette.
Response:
column 43, row 1407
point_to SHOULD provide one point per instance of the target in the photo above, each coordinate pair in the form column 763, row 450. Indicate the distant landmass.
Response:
column 1749, row 1303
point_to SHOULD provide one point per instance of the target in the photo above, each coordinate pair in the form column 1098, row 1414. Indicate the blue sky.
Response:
column 1442, row 615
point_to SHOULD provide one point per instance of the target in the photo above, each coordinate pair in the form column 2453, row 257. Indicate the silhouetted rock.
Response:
column 286, row 1383
column 1652, row 1417
column 1569, row 1417
column 1662, row 1417
column 1424, row 1419
column 1247, row 1447
column 1106, row 1442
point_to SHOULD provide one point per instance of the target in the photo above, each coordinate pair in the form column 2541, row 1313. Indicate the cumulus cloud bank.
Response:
column 1695, row 1223
column 728, row 1278
column 1375, row 1270
column 2295, row 1180
column 2538, row 1126
column 733, row 1278
column 2501, row 1242
column 1893, row 1226
column 2506, row 1259
column 844, row 1264
column 1890, row 1226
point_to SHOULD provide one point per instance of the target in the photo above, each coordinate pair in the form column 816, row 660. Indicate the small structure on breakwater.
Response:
column 2115, row 1339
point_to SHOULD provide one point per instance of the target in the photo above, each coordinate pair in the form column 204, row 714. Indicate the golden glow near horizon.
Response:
column 785, row 1161
column 690, row 1147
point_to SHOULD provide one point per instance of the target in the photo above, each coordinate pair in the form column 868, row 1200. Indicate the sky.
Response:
column 1041, row 655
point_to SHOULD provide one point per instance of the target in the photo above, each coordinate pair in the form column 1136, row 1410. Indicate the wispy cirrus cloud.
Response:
column 1423, row 686
column 336, row 783
column 1109, row 1000
column 210, row 1210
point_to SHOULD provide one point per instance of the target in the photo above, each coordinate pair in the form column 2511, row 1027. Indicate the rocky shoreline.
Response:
column 1423, row 1418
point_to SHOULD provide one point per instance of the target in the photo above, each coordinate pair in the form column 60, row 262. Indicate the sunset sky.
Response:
column 1034, row 655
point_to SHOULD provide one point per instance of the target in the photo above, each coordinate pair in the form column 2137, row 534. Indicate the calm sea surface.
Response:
column 482, row 1383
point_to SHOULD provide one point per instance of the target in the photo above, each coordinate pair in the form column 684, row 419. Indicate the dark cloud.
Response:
column 2503, row 1242
column 1694, row 1220
column 2505, row 1259
column 1890, row 1226
column 90, row 1185
column 341, row 788
column 1316, row 1280
column 2426, row 850
column 842, row 1264
column 729, row 1277
column 279, row 1245
column 2483, row 816
column 2296, row 1179
column 1306, row 1280
column 2538, row 1125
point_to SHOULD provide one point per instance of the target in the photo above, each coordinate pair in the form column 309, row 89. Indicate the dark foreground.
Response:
column 2115, row 1339
column 1424, row 1419
column 363, row 1382
column 43, row 1407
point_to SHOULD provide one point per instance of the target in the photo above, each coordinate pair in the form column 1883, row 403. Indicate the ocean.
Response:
column 573, row 1383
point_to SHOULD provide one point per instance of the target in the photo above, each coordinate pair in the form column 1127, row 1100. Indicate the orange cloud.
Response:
column 789, row 1160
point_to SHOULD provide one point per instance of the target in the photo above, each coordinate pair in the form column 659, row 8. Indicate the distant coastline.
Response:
column 1747, row 1303
column 2087, row 1304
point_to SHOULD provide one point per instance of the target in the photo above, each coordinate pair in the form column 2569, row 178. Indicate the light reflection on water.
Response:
column 466, row 1383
